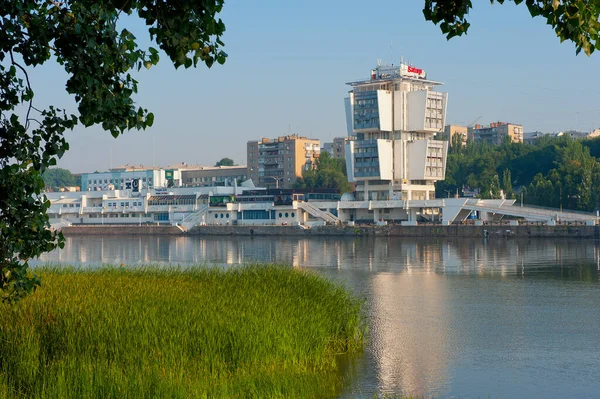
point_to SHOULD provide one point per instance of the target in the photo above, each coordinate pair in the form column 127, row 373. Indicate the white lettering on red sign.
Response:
column 418, row 71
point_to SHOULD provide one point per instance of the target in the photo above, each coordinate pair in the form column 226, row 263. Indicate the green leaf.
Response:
column 150, row 119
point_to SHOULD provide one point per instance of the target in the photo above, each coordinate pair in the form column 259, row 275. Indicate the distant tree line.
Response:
column 57, row 178
column 555, row 172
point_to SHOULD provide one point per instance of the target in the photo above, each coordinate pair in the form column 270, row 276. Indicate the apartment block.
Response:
column 496, row 132
column 337, row 148
column 277, row 163
column 450, row 131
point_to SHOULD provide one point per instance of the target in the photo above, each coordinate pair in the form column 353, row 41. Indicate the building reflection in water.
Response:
column 407, row 255
column 409, row 330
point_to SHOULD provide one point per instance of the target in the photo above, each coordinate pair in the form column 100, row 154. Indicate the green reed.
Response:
column 253, row 331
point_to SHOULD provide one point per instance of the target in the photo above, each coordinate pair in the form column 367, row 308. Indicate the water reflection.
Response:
column 448, row 318
column 462, row 257
column 409, row 360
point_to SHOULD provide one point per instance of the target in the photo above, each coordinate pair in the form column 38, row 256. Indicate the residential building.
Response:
column 574, row 134
column 214, row 176
column 327, row 147
column 277, row 163
column 337, row 148
column 532, row 137
column 496, row 132
column 394, row 116
column 450, row 131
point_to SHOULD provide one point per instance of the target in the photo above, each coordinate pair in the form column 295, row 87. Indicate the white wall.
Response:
column 384, row 151
column 398, row 160
column 417, row 103
column 349, row 149
column 384, row 101
column 400, row 122
column 417, row 155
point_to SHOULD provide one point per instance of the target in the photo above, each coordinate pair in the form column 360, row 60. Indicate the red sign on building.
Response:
column 418, row 71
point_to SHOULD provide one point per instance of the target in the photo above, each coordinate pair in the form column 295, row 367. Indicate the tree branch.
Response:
column 12, row 59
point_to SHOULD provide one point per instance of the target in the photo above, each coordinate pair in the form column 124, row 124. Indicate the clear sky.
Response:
column 289, row 62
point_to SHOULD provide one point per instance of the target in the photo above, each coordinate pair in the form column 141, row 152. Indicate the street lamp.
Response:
column 448, row 191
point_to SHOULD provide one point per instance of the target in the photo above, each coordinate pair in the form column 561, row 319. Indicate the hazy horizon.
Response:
column 289, row 62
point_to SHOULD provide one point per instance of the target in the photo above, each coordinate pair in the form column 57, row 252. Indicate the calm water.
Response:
column 448, row 318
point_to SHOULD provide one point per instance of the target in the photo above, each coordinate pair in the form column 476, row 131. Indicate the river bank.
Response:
column 490, row 231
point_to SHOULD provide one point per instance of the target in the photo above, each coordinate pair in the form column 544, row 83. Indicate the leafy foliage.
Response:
column 574, row 20
column 554, row 172
column 329, row 173
column 82, row 36
column 57, row 178
column 225, row 162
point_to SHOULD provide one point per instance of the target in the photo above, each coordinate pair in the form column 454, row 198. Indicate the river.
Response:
column 472, row 318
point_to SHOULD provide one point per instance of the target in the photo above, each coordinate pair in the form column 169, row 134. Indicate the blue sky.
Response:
column 289, row 62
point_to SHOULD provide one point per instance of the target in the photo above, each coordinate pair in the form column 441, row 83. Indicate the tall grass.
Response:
column 255, row 331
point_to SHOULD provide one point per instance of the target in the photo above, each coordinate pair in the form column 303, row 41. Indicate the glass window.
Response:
column 280, row 214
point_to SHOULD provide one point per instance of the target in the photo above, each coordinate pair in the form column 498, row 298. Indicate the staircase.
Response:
column 328, row 217
column 193, row 219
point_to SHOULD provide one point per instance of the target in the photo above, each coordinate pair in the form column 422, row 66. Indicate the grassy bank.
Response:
column 257, row 331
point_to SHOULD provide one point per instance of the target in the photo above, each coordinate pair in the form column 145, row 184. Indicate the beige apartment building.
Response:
column 496, row 132
column 451, row 130
column 276, row 163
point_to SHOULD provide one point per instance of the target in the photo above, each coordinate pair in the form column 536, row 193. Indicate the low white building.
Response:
column 121, row 178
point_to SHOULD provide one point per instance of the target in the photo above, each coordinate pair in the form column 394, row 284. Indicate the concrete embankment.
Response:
column 120, row 230
column 528, row 231
column 578, row 231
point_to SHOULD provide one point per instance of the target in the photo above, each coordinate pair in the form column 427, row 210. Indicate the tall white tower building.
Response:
column 394, row 116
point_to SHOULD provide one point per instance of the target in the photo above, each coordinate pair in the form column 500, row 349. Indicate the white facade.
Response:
column 118, row 179
column 394, row 116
